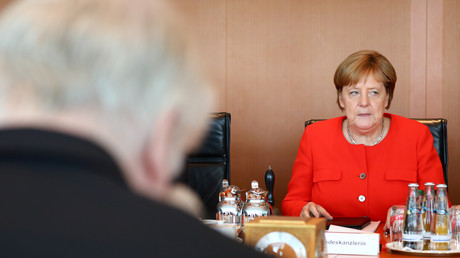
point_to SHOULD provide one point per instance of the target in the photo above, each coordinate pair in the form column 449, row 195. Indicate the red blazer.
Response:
column 356, row 180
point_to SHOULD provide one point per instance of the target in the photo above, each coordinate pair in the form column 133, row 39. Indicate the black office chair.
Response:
column 210, row 163
column 438, row 128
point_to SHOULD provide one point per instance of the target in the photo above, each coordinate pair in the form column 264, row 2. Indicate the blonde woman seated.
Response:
column 360, row 164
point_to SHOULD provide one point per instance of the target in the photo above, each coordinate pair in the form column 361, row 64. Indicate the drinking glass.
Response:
column 455, row 220
column 396, row 223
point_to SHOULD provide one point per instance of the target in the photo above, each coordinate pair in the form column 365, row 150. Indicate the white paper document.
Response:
column 341, row 240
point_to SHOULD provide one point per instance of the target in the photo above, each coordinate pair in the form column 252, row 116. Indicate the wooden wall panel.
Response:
column 451, row 92
column 268, row 70
column 418, row 35
column 434, row 57
column 207, row 19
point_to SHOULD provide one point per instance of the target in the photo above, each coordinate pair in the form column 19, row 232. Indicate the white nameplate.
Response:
column 355, row 242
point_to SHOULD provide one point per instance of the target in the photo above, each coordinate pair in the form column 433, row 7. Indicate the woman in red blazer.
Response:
column 361, row 164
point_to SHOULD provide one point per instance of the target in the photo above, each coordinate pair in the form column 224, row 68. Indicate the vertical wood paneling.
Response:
column 434, row 57
column 418, row 30
column 207, row 20
column 267, row 71
column 451, row 92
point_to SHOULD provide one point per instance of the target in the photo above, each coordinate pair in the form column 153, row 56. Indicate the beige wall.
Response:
column 273, row 61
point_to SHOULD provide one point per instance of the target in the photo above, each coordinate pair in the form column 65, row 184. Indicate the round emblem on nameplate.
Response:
column 280, row 243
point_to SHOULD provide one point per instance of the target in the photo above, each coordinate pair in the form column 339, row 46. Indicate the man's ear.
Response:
column 157, row 153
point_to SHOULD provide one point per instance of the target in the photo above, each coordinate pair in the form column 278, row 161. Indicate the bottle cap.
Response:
column 231, row 191
column 429, row 183
column 256, row 193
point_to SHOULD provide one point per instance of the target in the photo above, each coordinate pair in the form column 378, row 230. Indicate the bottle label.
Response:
column 441, row 212
column 412, row 237
column 395, row 218
column 427, row 235
column 413, row 211
column 440, row 238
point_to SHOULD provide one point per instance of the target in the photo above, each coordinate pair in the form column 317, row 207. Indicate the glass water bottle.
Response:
column 440, row 227
column 412, row 227
column 427, row 213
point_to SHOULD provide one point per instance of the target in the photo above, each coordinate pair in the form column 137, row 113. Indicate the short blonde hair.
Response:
column 362, row 63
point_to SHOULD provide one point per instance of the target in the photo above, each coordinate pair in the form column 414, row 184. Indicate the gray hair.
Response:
column 119, row 57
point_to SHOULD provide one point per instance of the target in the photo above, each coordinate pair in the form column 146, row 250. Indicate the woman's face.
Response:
column 364, row 103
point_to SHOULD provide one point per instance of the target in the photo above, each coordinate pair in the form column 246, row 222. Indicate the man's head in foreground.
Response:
column 120, row 73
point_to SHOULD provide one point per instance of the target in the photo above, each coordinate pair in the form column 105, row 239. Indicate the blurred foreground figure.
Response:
column 99, row 103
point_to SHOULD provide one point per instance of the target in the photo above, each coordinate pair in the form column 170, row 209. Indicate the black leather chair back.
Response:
column 438, row 128
column 210, row 163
